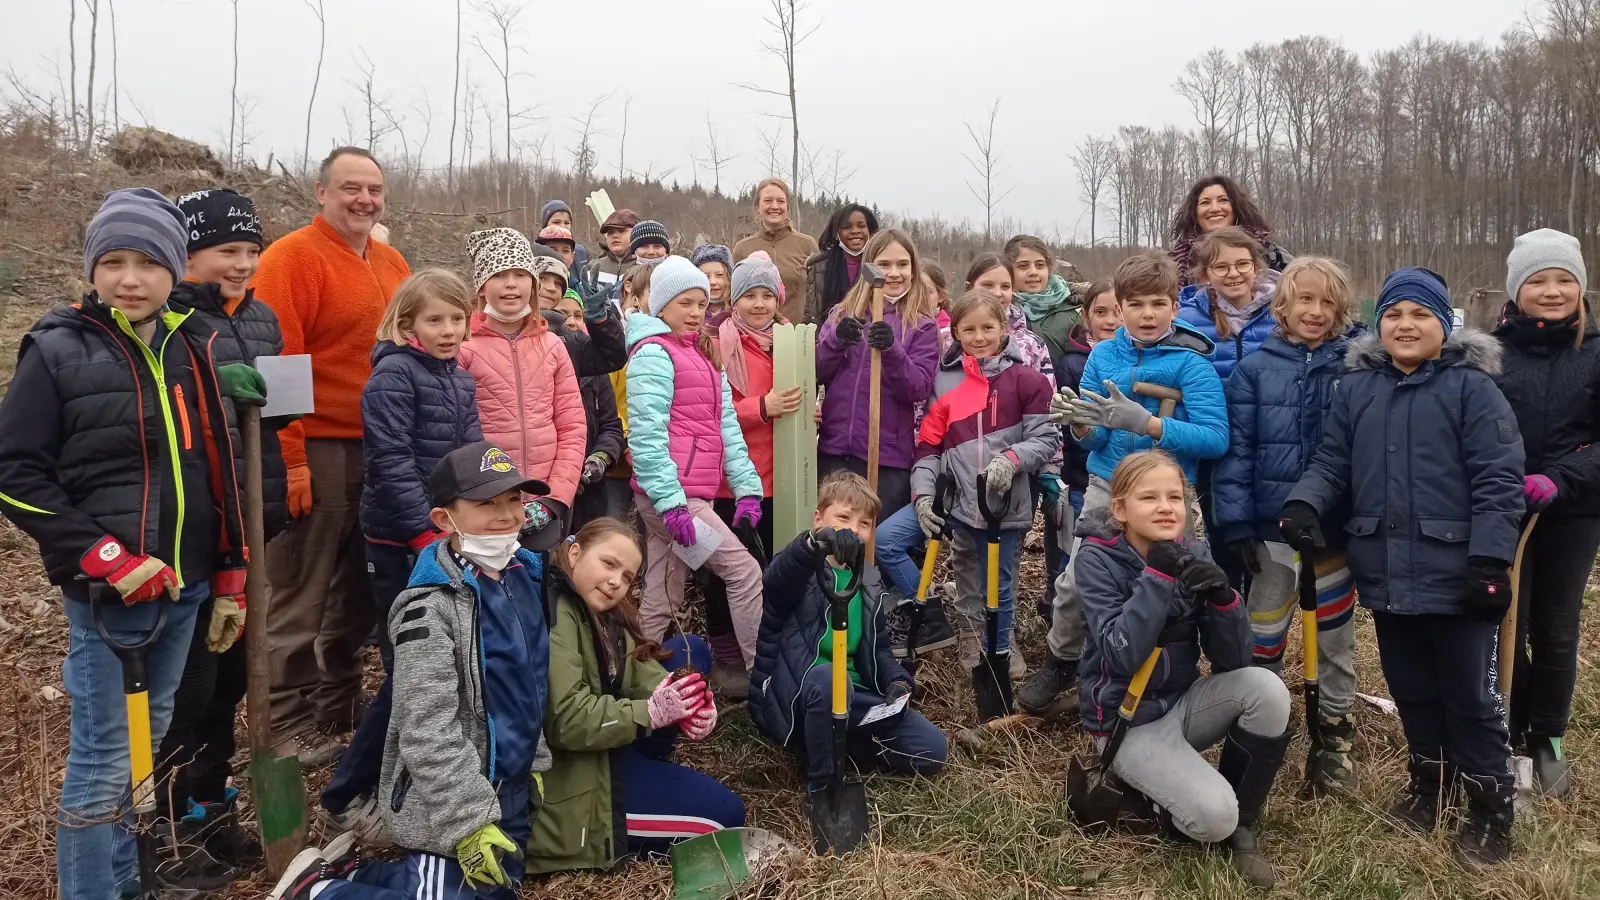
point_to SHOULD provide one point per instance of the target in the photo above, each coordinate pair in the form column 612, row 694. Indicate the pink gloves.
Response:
column 747, row 512
column 698, row 726
column 680, row 524
column 1538, row 491
column 676, row 700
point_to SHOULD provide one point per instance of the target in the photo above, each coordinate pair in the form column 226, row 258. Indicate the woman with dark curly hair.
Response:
column 1215, row 202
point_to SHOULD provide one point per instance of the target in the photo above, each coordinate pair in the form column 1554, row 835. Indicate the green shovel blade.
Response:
column 713, row 866
column 279, row 795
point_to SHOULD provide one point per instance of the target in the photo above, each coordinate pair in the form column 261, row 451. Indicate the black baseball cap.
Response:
column 479, row 471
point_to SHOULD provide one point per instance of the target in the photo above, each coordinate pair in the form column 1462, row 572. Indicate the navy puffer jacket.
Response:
column 1432, row 465
column 414, row 410
column 1278, row 400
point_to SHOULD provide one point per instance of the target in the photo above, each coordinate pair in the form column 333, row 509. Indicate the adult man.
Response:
column 788, row 248
column 329, row 283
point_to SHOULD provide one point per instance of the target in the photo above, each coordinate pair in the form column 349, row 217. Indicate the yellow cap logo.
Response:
column 496, row 460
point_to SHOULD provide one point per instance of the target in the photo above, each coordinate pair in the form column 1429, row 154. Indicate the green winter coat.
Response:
column 588, row 716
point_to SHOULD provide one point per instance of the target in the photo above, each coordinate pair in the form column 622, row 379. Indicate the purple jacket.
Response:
column 908, row 370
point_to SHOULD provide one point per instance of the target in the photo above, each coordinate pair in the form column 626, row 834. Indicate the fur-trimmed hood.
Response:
column 1465, row 346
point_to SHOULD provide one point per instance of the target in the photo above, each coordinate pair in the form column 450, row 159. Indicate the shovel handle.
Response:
column 1308, row 615
column 1137, row 684
column 992, row 516
column 136, row 692
column 1507, row 660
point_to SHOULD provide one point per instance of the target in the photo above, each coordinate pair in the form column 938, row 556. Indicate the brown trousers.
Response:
column 322, row 608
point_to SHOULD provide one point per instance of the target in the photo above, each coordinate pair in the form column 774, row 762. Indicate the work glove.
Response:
column 597, row 297
column 1205, row 581
column 1300, row 526
column 680, row 524
column 1118, row 412
column 227, row 610
column 1539, row 492
column 594, row 468
column 1247, row 550
column 426, row 538
column 1050, row 487
column 479, row 856
column 698, row 725
column 897, row 690
column 1061, row 405
column 848, row 330
column 839, row 543
column 880, row 336
column 932, row 524
column 299, row 491
column 1168, row 557
column 243, row 384
column 1488, row 593
column 136, row 577
column 674, row 700
column 536, row 515
column 747, row 512
column 998, row 475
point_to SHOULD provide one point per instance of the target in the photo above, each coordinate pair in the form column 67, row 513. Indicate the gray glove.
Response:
column 594, row 468
column 1061, row 406
column 931, row 524
column 998, row 475
column 1069, row 408
column 1121, row 413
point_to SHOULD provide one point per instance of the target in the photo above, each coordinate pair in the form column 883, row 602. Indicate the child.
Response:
column 615, row 234
column 1102, row 316
column 715, row 261
column 939, row 289
column 559, row 239
column 614, row 715
column 685, row 438
column 550, row 279
column 528, row 395
column 1145, row 586
column 605, row 442
column 908, row 342
column 557, row 214
column 648, row 240
column 1045, row 297
column 634, row 297
column 108, row 459
column 1150, row 347
column 471, row 673
column 1230, row 301
column 1425, row 449
column 1278, row 400
column 791, row 690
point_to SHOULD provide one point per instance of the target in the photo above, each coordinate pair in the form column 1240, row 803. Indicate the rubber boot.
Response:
column 728, row 679
column 1484, row 838
column 1250, row 763
column 1431, row 792
column 1552, row 774
column 1337, row 775
column 1040, row 692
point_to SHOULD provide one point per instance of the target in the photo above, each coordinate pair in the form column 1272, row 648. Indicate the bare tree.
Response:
column 233, row 92
column 116, row 81
column 1211, row 84
column 771, row 144
column 1093, row 160
column 502, row 15
column 986, row 165
column 784, row 21
column 622, row 142
column 717, row 156
column 455, row 100
column 316, row 79
column 379, row 121
column 240, row 125
column 93, row 6
column 837, row 174
column 583, row 155
column 72, row 66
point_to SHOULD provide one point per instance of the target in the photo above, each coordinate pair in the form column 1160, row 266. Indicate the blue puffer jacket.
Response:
column 1278, row 400
column 1432, row 464
column 414, row 410
column 1194, row 308
column 1197, row 428
column 1131, row 609
column 794, row 621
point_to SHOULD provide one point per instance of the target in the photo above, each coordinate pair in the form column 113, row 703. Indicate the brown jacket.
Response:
column 789, row 250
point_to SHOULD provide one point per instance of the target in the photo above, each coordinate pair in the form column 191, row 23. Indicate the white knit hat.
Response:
column 1536, row 251
column 673, row 276
column 496, row 250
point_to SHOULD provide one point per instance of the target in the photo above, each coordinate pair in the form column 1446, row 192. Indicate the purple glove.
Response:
column 1538, row 491
column 747, row 511
column 680, row 523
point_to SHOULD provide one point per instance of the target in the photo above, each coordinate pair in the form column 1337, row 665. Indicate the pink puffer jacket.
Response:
column 528, row 401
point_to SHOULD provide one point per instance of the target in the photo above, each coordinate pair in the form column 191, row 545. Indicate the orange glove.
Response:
column 299, row 491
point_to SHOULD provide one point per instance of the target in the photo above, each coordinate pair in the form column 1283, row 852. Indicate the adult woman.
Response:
column 1232, row 303
column 789, row 249
column 1213, row 203
column 831, row 272
column 1551, row 375
column 1045, row 297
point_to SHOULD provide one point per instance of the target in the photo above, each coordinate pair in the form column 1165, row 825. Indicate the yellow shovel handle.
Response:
column 1308, row 631
column 1141, row 680
column 992, row 587
column 841, row 675
column 139, row 751
column 928, row 563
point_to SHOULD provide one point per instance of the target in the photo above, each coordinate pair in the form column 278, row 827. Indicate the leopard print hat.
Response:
column 497, row 249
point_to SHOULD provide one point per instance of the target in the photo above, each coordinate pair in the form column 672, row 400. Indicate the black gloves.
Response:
column 1206, row 582
column 839, row 543
column 1300, row 526
column 880, row 336
column 1168, row 557
column 1488, row 593
column 896, row 690
column 1246, row 550
column 848, row 330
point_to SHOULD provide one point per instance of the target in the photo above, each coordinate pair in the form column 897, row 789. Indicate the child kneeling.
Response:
column 1145, row 587
column 791, row 688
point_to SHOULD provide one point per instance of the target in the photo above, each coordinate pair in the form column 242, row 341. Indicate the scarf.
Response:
column 1239, row 317
column 730, row 335
column 1182, row 251
column 1054, row 298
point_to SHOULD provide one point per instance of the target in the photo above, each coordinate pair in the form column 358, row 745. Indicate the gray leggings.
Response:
column 1162, row 760
column 1275, row 602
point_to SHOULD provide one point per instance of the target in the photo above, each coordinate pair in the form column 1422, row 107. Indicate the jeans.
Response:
column 197, row 752
column 95, row 850
column 1555, row 570
column 896, row 537
column 1275, row 602
column 906, row 744
column 969, row 563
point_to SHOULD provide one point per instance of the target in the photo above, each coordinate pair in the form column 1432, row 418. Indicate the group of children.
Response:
column 514, row 427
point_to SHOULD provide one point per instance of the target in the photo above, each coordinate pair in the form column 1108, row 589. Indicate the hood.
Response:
column 1520, row 328
column 1077, row 341
column 642, row 325
column 389, row 348
column 952, row 356
column 439, row 566
column 1465, row 347
column 1198, row 296
column 1097, row 523
column 1183, row 337
column 204, row 297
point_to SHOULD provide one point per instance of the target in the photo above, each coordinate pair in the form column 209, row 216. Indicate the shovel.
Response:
column 991, row 679
column 929, row 562
column 838, row 812
column 874, row 277
column 1506, row 660
column 1094, row 794
column 713, row 866
column 1313, row 694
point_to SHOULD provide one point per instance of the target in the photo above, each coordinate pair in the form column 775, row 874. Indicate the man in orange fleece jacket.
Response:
column 329, row 283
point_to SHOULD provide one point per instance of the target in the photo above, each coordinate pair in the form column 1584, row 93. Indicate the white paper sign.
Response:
column 706, row 542
column 885, row 710
column 288, row 381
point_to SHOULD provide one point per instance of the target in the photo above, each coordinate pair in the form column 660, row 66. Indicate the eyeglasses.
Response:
column 1223, row 271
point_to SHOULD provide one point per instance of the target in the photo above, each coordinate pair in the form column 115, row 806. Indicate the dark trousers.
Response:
column 198, row 749
column 1555, row 570
column 719, row 621
column 905, row 744
column 1440, row 670
column 389, row 568
column 894, row 485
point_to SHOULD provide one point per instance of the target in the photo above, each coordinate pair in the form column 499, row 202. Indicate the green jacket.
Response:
column 589, row 715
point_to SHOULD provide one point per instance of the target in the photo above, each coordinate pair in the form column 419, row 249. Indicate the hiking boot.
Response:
column 1250, row 763
column 1019, row 663
column 935, row 633
column 729, row 682
column 1430, row 792
column 316, row 747
column 362, row 820
column 1337, row 773
column 1039, row 694
column 182, row 861
column 314, row 865
column 223, row 836
column 1484, row 837
column 1552, row 774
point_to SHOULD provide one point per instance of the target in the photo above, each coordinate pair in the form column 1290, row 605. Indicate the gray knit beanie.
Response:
column 1536, row 251
column 671, row 277
column 704, row 253
column 138, row 219
column 753, row 272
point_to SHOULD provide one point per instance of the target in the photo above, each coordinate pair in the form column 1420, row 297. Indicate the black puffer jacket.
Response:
column 599, row 351
column 250, row 331
column 1554, row 388
column 101, row 434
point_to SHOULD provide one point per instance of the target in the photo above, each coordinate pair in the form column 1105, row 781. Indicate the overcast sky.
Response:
column 887, row 82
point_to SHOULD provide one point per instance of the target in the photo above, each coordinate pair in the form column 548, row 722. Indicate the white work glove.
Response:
column 1119, row 412
column 931, row 524
column 1067, row 408
column 998, row 475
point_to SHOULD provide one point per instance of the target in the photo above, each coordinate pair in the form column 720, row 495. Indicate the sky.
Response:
column 889, row 84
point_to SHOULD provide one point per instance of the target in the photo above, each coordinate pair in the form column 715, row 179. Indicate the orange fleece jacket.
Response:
column 329, row 302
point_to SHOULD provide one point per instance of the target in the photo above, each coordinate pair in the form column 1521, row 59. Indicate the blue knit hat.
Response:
column 550, row 208
column 671, row 277
column 704, row 253
column 138, row 219
column 649, row 232
column 1422, row 286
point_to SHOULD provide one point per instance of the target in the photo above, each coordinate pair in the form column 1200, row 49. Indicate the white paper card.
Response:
column 706, row 542
column 288, row 381
column 1284, row 555
column 885, row 710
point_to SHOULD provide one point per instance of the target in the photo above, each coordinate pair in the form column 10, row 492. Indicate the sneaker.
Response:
column 314, row 865
column 361, row 820
column 183, row 863
column 1552, row 774
column 935, row 634
column 1484, row 838
column 223, row 836
column 1039, row 694
column 729, row 682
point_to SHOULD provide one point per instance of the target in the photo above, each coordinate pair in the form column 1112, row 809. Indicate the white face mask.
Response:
column 850, row 252
column 489, row 311
column 489, row 552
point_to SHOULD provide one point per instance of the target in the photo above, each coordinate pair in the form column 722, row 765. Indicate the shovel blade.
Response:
column 713, row 866
column 839, row 820
column 1093, row 798
column 279, row 793
column 991, row 686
